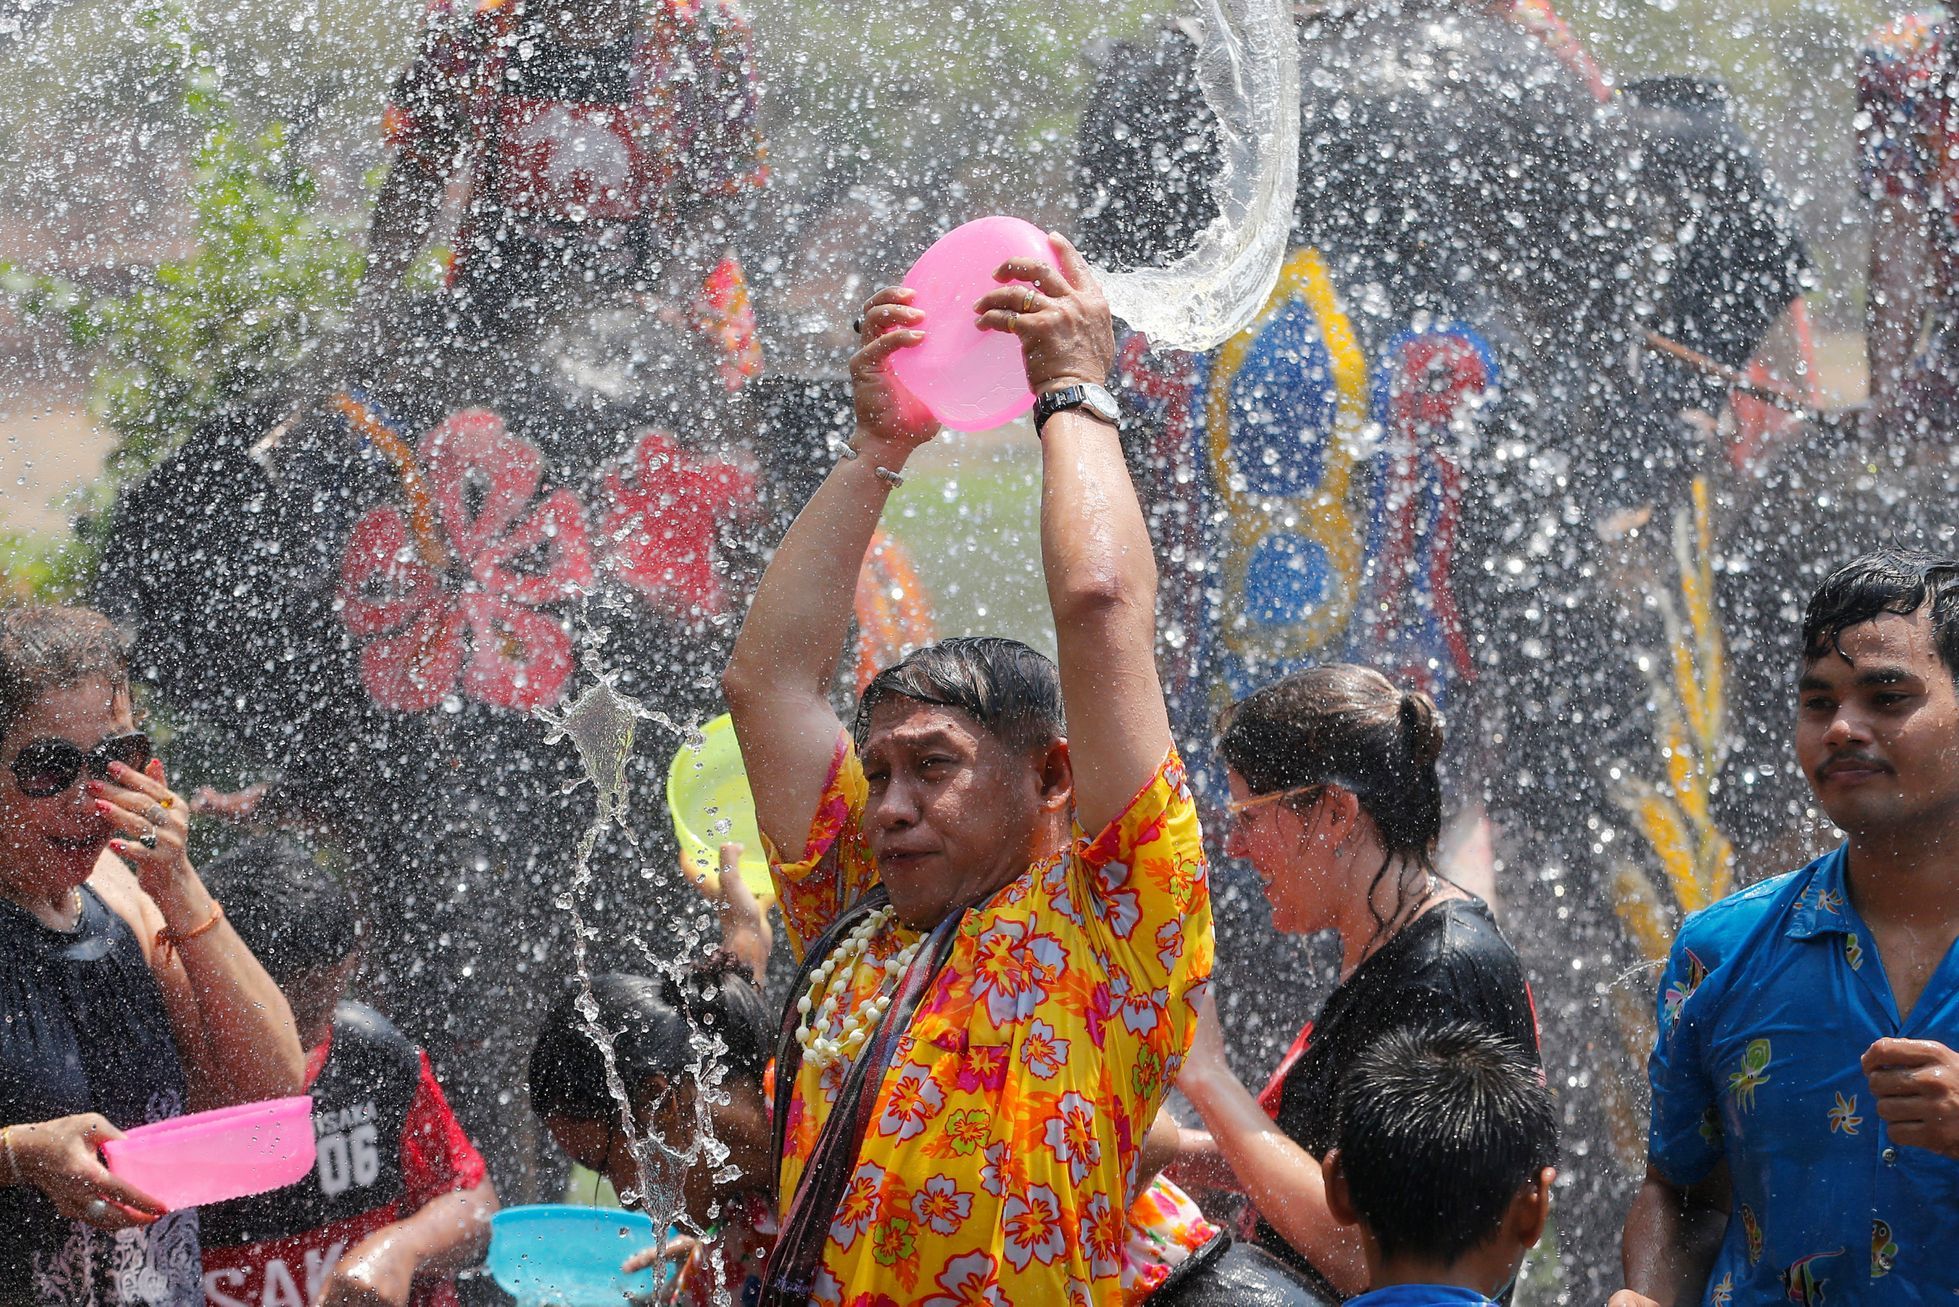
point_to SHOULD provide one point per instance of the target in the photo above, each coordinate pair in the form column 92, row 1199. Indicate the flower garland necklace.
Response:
column 831, row 981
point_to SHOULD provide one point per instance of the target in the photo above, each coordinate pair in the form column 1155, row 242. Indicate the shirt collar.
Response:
column 1823, row 907
column 1420, row 1295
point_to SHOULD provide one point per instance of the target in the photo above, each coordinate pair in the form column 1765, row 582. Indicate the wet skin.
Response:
column 1877, row 729
column 953, row 813
column 49, row 846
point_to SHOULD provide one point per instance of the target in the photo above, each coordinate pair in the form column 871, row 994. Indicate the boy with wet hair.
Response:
column 1445, row 1154
column 398, row 1200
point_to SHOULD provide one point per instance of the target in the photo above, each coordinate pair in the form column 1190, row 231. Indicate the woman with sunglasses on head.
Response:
column 1336, row 803
column 124, row 997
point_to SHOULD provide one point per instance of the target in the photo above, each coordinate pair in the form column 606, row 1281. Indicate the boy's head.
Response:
column 297, row 921
column 1444, row 1156
column 967, row 767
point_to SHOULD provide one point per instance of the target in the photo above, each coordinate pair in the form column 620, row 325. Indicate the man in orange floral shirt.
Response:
column 1006, row 927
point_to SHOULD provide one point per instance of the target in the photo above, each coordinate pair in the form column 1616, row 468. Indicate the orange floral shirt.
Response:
column 1007, row 1128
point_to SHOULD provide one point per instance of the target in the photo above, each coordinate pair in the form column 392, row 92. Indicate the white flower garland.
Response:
column 831, row 982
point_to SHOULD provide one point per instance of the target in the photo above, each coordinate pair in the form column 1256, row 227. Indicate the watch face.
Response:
column 1101, row 403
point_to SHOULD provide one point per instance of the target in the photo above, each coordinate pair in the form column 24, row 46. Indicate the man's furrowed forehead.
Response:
column 913, row 724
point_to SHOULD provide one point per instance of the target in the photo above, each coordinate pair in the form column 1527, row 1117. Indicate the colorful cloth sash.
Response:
column 790, row 1277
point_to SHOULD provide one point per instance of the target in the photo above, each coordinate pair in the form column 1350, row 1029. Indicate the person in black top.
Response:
column 1337, row 805
column 126, row 998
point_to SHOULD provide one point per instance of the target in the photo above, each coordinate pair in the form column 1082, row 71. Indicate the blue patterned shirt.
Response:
column 1769, row 1001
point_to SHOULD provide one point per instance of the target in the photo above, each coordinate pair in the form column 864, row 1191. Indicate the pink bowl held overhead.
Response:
column 212, row 1156
column 971, row 380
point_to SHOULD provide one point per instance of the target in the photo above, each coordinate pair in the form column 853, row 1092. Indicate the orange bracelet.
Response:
column 168, row 941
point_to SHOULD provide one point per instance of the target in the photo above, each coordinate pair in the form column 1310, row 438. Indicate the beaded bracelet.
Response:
column 170, row 941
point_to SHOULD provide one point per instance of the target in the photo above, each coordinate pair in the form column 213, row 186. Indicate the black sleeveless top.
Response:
column 1449, row 964
column 83, row 1029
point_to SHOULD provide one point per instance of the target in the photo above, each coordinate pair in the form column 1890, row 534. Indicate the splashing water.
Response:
column 1248, row 72
column 601, row 724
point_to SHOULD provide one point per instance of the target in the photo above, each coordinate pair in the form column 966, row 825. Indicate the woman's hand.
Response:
column 744, row 925
column 59, row 1158
column 152, row 828
column 1062, row 319
column 888, row 415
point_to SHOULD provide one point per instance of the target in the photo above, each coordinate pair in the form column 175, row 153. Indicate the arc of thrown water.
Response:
column 601, row 723
column 1248, row 73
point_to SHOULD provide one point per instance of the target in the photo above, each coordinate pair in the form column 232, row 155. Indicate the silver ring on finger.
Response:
column 154, row 815
column 96, row 1211
column 148, row 838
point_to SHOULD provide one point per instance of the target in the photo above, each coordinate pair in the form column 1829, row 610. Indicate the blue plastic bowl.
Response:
column 555, row 1255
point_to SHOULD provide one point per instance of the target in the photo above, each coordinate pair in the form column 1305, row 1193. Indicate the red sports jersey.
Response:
column 388, row 1144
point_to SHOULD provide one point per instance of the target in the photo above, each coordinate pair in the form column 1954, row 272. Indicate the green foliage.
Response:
column 50, row 568
column 268, row 276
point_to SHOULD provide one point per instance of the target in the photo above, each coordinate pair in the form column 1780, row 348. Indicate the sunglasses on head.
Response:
column 46, row 767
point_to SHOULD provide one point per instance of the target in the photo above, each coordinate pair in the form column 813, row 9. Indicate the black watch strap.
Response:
column 1094, row 398
column 1054, row 401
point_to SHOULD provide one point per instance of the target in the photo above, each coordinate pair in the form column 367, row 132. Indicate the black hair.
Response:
column 1439, row 1128
column 1008, row 688
column 652, row 1019
column 292, row 913
column 48, row 647
column 1888, row 580
column 1347, row 725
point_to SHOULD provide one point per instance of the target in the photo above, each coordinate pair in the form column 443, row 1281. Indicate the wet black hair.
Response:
column 1007, row 687
column 1887, row 580
column 1347, row 725
column 1438, row 1129
column 653, row 1019
column 291, row 912
column 48, row 647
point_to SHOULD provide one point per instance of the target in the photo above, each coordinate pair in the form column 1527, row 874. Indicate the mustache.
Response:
column 1844, row 761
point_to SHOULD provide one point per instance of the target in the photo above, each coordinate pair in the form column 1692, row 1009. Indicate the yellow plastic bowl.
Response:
column 708, row 795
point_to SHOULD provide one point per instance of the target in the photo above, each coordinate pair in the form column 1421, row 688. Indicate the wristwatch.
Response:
column 1093, row 398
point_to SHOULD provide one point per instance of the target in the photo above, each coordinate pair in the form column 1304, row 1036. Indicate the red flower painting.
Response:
column 458, row 602
column 663, row 510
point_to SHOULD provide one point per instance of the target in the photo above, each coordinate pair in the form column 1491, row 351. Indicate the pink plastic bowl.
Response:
column 970, row 379
column 213, row 1156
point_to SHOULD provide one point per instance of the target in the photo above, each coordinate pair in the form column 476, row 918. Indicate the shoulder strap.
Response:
column 797, row 1257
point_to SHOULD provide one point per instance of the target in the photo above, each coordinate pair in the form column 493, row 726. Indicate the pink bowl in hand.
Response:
column 212, row 1156
column 970, row 379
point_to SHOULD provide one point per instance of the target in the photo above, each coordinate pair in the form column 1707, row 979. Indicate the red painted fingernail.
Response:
column 104, row 807
column 119, row 846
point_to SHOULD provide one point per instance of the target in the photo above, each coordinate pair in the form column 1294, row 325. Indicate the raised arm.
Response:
column 1095, row 548
column 1900, row 260
column 232, row 1024
column 779, row 677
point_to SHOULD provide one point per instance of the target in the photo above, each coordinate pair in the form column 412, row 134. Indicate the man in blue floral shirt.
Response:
column 1805, row 1131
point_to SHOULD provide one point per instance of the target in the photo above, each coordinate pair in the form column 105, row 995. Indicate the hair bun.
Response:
column 1421, row 727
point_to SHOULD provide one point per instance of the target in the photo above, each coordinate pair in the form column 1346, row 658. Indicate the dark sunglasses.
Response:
column 45, row 767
